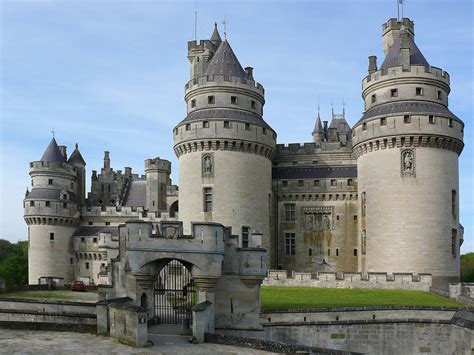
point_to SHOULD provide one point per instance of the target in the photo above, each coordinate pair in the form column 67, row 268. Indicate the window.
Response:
column 355, row 252
column 51, row 237
column 394, row 92
column 188, row 126
column 233, row 100
column 91, row 223
column 329, row 252
column 247, row 126
column 208, row 199
column 176, row 131
column 72, row 261
column 337, row 251
column 211, row 100
column 290, row 243
column 290, row 212
column 47, row 204
column 364, row 126
column 333, row 183
column 431, row 119
column 72, row 185
column 284, row 183
column 439, row 95
column 205, row 124
column 193, row 103
column 245, row 237
column 32, row 203
column 32, row 182
column 65, row 196
column 383, row 121
column 107, row 223
column 50, row 181
column 350, row 182
column 310, row 251
column 374, row 98
column 294, row 163
column 264, row 130
column 337, row 217
column 419, row 91
column 316, row 183
column 64, row 204
column 355, row 217
column 454, row 233
column 407, row 119
column 315, row 162
column 87, row 265
column 83, row 240
column 450, row 122
column 453, row 204
column 300, row 183
column 226, row 124
column 94, row 240
column 253, row 104
column 364, row 242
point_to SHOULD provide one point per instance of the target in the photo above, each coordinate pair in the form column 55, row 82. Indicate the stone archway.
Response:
column 174, row 294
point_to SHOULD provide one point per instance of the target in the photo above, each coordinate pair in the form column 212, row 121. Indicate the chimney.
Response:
column 106, row 160
column 372, row 64
column 249, row 72
column 63, row 150
column 128, row 171
column 94, row 174
column 404, row 49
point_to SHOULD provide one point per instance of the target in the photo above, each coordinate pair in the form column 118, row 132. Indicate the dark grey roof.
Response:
column 50, row 194
column 87, row 231
column 312, row 172
column 318, row 127
column 411, row 106
column 76, row 157
column 216, row 37
column 224, row 62
column 226, row 113
column 392, row 59
column 340, row 124
column 136, row 194
column 53, row 153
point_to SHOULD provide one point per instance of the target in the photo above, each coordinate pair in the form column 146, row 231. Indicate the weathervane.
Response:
column 399, row 9
column 224, row 22
column 52, row 132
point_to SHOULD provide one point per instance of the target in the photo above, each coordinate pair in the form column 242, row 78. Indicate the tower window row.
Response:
column 317, row 183
column 227, row 124
column 419, row 91
column 211, row 100
column 407, row 119
column 47, row 204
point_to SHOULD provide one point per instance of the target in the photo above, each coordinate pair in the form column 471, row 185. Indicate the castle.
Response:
column 382, row 196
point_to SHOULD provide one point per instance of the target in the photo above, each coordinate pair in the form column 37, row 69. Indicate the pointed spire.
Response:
column 216, row 37
column 76, row 156
column 224, row 62
column 52, row 153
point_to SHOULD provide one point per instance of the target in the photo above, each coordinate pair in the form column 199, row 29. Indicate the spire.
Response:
column 318, row 127
column 52, row 153
column 224, row 62
column 216, row 37
column 76, row 157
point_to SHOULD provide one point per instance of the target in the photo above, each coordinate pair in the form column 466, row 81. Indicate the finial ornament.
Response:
column 224, row 23
column 319, row 111
column 52, row 132
column 343, row 108
column 77, row 145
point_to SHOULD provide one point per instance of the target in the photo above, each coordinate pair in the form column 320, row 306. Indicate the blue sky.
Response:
column 110, row 75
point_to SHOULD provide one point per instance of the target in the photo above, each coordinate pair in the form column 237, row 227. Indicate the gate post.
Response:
column 205, row 288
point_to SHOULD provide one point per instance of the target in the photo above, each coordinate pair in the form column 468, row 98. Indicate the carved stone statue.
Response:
column 326, row 222
column 408, row 162
column 207, row 165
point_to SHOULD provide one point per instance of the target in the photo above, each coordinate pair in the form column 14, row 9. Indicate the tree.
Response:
column 14, row 262
column 467, row 267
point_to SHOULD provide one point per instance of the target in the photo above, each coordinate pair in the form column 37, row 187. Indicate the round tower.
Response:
column 52, row 211
column 407, row 146
column 224, row 146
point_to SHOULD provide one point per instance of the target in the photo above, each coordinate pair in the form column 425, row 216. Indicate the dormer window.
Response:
column 394, row 92
column 211, row 100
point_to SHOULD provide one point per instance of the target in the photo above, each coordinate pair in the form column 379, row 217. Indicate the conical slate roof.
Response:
column 76, row 157
column 53, row 153
column 392, row 59
column 318, row 127
column 224, row 62
column 216, row 37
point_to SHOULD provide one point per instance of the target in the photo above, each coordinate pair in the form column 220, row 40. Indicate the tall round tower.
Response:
column 224, row 146
column 407, row 146
column 52, row 211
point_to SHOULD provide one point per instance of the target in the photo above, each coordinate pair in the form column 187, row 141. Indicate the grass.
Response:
column 298, row 297
column 53, row 295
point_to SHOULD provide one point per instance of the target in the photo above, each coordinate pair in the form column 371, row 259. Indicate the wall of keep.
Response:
column 413, row 237
column 47, row 257
column 379, row 281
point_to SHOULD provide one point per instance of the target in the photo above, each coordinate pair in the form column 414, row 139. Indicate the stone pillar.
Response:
column 205, row 290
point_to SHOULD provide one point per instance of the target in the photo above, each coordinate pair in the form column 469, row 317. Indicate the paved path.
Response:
column 43, row 342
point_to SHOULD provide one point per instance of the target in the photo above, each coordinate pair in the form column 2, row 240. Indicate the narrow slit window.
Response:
column 245, row 237
column 208, row 199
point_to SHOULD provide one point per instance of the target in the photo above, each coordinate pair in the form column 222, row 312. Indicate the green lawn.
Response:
column 299, row 297
column 54, row 295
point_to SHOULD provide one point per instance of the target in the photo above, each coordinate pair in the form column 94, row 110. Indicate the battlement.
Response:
column 311, row 148
column 52, row 166
column 399, row 72
column 371, row 280
column 220, row 80
column 158, row 164
column 394, row 24
column 200, row 45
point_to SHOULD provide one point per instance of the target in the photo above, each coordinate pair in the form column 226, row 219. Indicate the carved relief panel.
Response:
column 407, row 162
column 318, row 218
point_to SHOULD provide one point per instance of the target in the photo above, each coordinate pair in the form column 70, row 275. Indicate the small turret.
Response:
column 79, row 164
column 318, row 132
column 216, row 37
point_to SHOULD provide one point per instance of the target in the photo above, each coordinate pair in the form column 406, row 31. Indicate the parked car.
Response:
column 78, row 286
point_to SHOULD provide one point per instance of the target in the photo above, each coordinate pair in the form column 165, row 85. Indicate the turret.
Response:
column 225, row 147
column 318, row 132
column 407, row 146
column 78, row 162
column 157, row 173
column 51, row 210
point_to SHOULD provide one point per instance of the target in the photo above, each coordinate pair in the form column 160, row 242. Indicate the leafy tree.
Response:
column 14, row 262
column 467, row 267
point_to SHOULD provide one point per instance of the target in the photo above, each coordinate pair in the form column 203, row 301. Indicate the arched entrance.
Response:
column 174, row 294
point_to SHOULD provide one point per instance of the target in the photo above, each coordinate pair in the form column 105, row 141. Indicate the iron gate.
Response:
column 175, row 294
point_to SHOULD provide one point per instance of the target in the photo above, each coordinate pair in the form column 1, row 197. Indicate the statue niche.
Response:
column 207, row 165
column 407, row 160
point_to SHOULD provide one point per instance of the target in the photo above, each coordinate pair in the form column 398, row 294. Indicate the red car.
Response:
column 78, row 286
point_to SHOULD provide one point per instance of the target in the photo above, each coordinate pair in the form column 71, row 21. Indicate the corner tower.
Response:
column 407, row 146
column 52, row 212
column 224, row 146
